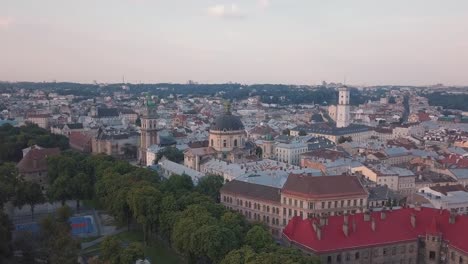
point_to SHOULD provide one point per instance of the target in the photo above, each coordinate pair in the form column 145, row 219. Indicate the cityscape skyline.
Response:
column 264, row 41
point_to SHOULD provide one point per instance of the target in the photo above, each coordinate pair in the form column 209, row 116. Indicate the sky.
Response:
column 365, row 42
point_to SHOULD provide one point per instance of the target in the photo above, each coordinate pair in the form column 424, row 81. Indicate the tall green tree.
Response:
column 132, row 253
column 5, row 237
column 144, row 201
column 259, row 238
column 178, row 185
column 8, row 181
column 81, row 188
column 111, row 249
column 239, row 256
column 213, row 241
column 29, row 193
column 171, row 153
column 191, row 220
column 57, row 242
column 210, row 186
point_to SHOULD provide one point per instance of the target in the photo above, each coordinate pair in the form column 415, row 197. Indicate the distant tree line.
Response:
column 269, row 93
column 448, row 101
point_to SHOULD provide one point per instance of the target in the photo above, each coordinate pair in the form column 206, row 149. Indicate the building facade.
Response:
column 301, row 196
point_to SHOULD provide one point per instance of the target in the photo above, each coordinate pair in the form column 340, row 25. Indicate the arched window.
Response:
column 212, row 143
column 235, row 142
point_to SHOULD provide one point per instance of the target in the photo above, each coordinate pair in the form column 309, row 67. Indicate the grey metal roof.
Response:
column 227, row 122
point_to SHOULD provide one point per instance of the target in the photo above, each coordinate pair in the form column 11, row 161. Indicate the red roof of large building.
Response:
column 423, row 117
column 36, row 160
column 322, row 186
column 396, row 227
column 80, row 140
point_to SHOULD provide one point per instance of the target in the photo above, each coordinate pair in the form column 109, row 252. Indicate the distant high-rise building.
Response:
column 342, row 111
column 149, row 132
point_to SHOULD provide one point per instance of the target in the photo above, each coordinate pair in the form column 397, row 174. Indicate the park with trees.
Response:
column 188, row 219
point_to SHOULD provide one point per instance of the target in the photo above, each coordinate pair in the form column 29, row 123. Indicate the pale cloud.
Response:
column 264, row 3
column 226, row 11
column 5, row 22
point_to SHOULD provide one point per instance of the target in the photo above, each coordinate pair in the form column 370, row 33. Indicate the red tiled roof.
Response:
column 36, row 160
column 423, row 117
column 38, row 116
column 322, row 186
column 394, row 228
column 455, row 161
column 79, row 140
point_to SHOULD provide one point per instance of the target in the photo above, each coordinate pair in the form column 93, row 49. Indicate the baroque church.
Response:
column 227, row 141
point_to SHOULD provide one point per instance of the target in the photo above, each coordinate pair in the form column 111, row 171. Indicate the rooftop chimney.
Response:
column 452, row 218
column 373, row 224
column 417, row 207
column 413, row 220
column 367, row 216
column 323, row 220
column 383, row 215
column 346, row 229
column 319, row 233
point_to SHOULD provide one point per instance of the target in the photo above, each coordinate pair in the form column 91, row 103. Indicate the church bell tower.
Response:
column 149, row 132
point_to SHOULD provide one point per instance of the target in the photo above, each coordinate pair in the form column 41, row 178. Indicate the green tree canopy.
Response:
column 171, row 153
column 258, row 238
column 210, row 186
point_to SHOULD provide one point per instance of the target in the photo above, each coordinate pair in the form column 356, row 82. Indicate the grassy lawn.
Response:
column 156, row 251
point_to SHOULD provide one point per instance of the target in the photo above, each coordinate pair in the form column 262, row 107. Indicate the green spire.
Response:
column 149, row 101
column 227, row 107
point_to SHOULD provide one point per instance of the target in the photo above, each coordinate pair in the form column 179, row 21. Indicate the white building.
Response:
column 290, row 153
column 451, row 197
column 167, row 168
column 396, row 178
column 343, row 108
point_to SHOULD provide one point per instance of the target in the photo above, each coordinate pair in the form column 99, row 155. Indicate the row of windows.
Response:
column 393, row 251
column 256, row 206
column 324, row 205
column 235, row 144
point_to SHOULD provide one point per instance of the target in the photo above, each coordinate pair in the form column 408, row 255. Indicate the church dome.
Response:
column 227, row 122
